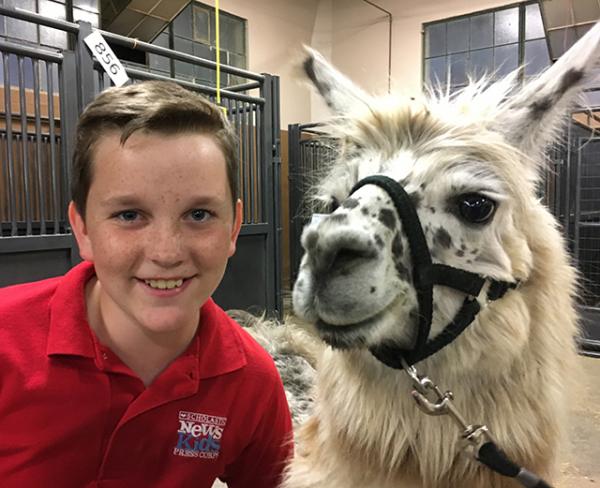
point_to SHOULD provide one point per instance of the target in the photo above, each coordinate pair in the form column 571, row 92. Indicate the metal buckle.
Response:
column 432, row 401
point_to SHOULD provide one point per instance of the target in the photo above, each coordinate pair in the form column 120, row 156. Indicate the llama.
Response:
column 469, row 164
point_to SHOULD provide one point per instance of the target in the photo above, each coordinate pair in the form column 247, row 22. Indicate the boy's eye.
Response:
column 127, row 215
column 199, row 214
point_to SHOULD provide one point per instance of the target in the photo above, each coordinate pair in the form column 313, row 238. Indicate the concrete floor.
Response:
column 581, row 466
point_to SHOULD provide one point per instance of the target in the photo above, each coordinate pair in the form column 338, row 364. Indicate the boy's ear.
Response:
column 80, row 232
column 237, row 225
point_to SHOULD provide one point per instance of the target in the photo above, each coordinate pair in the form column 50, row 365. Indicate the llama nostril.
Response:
column 343, row 259
column 337, row 248
column 346, row 257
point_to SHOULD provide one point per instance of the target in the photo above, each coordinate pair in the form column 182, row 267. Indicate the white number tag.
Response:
column 106, row 57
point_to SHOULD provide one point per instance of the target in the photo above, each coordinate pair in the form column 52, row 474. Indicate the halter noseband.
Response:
column 425, row 275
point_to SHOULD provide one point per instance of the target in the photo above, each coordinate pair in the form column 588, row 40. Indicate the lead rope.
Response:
column 478, row 439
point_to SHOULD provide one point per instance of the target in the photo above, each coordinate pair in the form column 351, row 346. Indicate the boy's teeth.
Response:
column 164, row 284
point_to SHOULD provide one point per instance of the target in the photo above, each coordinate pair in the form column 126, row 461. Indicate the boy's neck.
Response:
column 145, row 354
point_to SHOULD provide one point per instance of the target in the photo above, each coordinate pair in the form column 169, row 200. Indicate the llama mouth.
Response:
column 347, row 336
column 326, row 328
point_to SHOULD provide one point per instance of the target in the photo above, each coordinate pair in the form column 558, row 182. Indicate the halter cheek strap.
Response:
column 426, row 274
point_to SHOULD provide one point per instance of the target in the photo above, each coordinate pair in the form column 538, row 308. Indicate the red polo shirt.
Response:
column 72, row 414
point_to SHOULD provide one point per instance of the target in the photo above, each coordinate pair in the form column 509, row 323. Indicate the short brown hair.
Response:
column 153, row 106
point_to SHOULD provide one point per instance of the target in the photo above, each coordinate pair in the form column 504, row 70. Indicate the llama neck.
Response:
column 370, row 410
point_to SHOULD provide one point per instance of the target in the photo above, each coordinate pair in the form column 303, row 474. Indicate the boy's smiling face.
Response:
column 159, row 228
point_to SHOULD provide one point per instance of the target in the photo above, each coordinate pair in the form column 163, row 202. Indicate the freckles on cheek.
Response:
column 111, row 246
column 209, row 249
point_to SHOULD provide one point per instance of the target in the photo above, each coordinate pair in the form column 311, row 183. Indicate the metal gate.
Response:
column 43, row 93
column 578, row 208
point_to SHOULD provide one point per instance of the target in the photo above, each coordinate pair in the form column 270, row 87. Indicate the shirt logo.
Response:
column 199, row 435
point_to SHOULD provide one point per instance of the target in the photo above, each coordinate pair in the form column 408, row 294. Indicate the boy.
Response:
column 124, row 372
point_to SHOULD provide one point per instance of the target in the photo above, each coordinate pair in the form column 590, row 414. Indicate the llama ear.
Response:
column 340, row 94
column 532, row 116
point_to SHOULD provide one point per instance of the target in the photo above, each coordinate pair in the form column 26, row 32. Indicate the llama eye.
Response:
column 476, row 208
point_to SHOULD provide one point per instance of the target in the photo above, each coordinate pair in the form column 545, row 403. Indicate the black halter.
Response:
column 425, row 275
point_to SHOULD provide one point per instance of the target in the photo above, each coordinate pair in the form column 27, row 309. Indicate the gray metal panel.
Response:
column 33, row 258
column 85, row 63
column 243, row 285
column 22, row 267
column 69, row 107
column 276, row 198
column 268, row 202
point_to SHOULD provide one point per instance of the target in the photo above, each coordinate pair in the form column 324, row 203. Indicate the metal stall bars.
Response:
column 585, row 229
column 35, row 240
column 572, row 184
column 252, row 280
column 310, row 153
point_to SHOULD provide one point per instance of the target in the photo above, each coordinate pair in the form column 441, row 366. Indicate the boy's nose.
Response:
column 164, row 246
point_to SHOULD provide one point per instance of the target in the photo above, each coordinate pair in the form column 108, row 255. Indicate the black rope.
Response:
column 494, row 458
column 459, row 279
column 419, row 251
column 425, row 276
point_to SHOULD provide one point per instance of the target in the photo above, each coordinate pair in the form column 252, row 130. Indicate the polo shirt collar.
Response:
column 216, row 349
column 220, row 346
column 69, row 332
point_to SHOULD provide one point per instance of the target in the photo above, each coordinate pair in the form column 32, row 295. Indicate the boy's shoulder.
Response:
column 25, row 319
column 253, row 348
column 258, row 360
column 61, row 292
column 27, row 296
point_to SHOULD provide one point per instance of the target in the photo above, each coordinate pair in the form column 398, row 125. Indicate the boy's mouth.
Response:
column 165, row 284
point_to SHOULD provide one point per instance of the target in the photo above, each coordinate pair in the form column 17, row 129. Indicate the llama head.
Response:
column 470, row 164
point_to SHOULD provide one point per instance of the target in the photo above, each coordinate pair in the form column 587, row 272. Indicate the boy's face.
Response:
column 159, row 228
